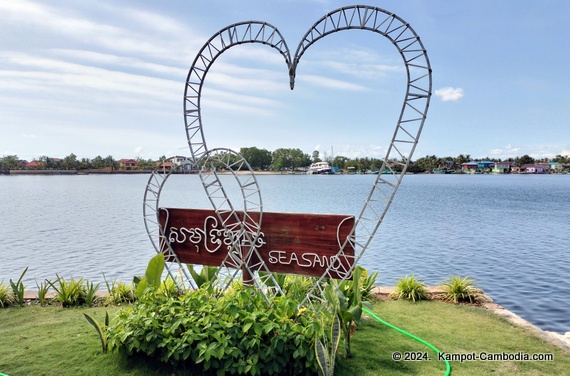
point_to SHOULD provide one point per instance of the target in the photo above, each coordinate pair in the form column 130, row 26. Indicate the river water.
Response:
column 511, row 233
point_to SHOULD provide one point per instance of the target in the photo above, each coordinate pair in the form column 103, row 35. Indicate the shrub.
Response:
column 409, row 288
column 6, row 296
column 237, row 333
column 208, row 274
column 459, row 289
column 120, row 292
column 90, row 290
column 168, row 287
column 43, row 288
column 69, row 293
column 295, row 286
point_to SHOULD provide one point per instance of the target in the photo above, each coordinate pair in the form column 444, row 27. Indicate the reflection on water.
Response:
column 510, row 233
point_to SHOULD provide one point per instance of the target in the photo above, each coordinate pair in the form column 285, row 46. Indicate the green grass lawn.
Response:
column 56, row 341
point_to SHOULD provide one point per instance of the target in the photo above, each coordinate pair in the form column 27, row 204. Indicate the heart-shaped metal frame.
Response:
column 401, row 148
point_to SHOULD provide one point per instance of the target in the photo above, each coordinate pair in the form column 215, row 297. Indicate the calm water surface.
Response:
column 510, row 233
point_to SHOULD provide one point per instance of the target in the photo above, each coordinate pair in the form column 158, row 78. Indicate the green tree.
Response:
column 561, row 159
column 525, row 159
column 85, row 164
column 9, row 162
column 98, row 162
column 145, row 164
column 460, row 159
column 340, row 162
column 48, row 163
column 258, row 159
column 427, row 163
column 315, row 156
column 289, row 159
column 110, row 162
column 70, row 162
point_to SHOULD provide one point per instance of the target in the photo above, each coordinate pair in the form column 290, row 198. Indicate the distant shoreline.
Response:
column 139, row 172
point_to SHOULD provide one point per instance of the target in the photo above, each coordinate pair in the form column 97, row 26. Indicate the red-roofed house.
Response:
column 33, row 165
column 128, row 164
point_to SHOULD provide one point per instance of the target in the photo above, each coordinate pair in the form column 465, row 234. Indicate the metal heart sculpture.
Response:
column 243, row 226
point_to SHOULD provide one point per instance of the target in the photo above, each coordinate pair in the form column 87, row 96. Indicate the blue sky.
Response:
column 107, row 78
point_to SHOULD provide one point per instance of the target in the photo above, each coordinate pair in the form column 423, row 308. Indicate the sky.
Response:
column 108, row 77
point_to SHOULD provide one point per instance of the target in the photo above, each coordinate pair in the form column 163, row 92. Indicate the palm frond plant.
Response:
column 459, row 289
column 91, row 293
column 6, row 296
column 18, row 289
column 410, row 288
column 69, row 293
column 43, row 288
column 119, row 292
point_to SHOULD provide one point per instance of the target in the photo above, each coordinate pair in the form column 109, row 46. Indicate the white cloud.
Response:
column 508, row 151
column 449, row 94
column 331, row 83
column 139, row 33
column 360, row 151
column 52, row 78
column 96, row 58
column 357, row 69
column 565, row 152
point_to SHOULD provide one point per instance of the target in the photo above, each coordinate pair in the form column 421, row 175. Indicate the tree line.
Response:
column 281, row 159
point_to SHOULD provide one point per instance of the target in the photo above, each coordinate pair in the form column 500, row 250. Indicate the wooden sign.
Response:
column 293, row 243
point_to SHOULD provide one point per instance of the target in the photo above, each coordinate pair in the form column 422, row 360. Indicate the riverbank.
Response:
column 434, row 293
column 74, row 172
column 486, row 302
column 52, row 340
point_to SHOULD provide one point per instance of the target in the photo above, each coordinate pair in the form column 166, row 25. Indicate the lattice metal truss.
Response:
column 151, row 206
column 401, row 148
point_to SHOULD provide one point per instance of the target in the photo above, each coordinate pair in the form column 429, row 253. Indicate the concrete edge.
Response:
column 486, row 302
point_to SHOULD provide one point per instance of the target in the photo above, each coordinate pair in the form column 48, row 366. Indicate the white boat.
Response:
column 319, row 168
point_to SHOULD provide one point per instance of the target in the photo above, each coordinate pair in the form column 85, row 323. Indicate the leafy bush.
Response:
column 168, row 287
column 294, row 286
column 119, row 292
column 362, row 282
column 237, row 333
column 459, row 289
column 410, row 288
column 6, row 296
column 69, row 293
column 208, row 274
column 152, row 276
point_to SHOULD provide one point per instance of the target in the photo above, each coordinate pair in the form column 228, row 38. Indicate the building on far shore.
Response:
column 128, row 165
column 477, row 167
column 503, row 167
column 536, row 168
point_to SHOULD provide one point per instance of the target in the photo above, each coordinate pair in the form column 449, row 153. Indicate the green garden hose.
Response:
column 447, row 365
